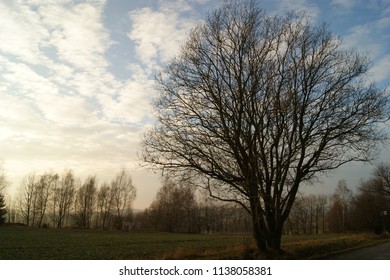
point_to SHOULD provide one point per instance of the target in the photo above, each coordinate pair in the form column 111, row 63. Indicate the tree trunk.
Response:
column 268, row 238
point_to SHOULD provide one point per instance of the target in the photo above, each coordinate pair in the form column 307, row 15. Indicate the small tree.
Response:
column 255, row 105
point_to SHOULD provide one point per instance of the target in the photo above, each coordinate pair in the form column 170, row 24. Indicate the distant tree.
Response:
column 339, row 211
column 3, row 178
column 254, row 105
column 367, row 205
column 27, row 199
column 321, row 205
column 3, row 185
column 173, row 207
column 85, row 202
column 123, row 194
column 62, row 199
column 105, row 204
column 372, row 199
column 308, row 215
column 382, row 174
column 43, row 190
column 3, row 209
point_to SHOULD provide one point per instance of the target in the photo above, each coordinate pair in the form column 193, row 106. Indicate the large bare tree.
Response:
column 256, row 104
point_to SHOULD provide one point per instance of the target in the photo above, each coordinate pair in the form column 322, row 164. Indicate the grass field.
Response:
column 22, row 243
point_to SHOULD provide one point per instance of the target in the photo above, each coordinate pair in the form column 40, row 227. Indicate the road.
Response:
column 377, row 252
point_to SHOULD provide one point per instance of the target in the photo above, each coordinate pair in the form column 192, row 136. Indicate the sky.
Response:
column 76, row 79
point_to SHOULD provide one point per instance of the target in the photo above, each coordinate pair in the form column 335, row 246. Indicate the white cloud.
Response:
column 371, row 40
column 381, row 69
column 77, row 34
column 60, row 106
column 371, row 37
column 300, row 5
column 22, row 32
column 159, row 34
column 345, row 4
column 131, row 104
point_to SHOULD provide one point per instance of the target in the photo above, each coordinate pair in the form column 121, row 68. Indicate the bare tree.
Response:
column 43, row 190
column 63, row 197
column 123, row 194
column 27, row 199
column 382, row 174
column 3, row 179
column 85, row 202
column 3, row 185
column 322, row 201
column 105, row 204
column 3, row 209
column 341, row 200
column 372, row 201
column 174, row 207
column 255, row 105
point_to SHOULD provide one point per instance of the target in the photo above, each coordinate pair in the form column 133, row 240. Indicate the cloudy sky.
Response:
column 76, row 77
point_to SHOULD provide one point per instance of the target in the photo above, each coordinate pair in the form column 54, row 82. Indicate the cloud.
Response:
column 158, row 34
column 21, row 32
column 372, row 38
column 300, row 5
column 345, row 4
column 77, row 34
column 60, row 106
column 381, row 70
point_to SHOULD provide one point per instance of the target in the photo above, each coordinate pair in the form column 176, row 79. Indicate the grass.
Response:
column 27, row 243
column 22, row 243
column 323, row 246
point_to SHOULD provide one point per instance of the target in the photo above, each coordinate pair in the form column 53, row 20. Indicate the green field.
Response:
column 22, row 243
column 28, row 243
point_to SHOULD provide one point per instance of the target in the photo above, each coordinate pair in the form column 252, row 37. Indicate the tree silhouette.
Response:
column 254, row 105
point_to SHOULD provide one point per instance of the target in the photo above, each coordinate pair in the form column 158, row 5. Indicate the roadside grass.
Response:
column 324, row 246
column 296, row 247
column 22, row 243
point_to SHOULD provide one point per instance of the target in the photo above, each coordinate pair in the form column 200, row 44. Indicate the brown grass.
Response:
column 295, row 247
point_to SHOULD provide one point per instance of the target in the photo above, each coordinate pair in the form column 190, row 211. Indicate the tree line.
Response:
column 54, row 200
column 178, row 208
column 63, row 200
